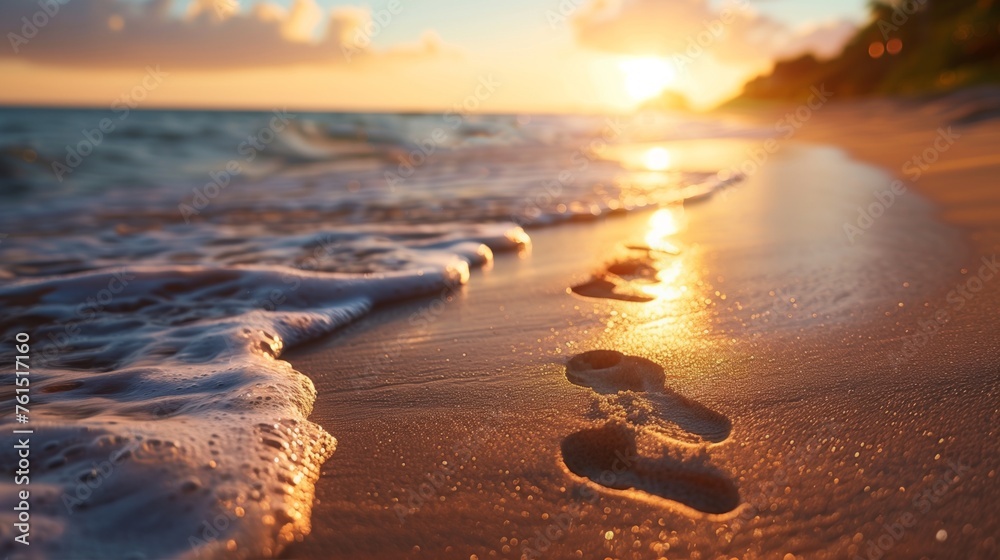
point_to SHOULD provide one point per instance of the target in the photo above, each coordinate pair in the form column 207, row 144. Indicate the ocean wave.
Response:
column 162, row 401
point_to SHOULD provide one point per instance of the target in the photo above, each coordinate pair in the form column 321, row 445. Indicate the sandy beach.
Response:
column 790, row 391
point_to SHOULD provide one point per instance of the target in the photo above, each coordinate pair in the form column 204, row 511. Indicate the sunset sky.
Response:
column 536, row 55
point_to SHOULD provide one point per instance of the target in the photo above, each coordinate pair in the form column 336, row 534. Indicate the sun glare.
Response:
column 646, row 77
column 664, row 223
column 656, row 159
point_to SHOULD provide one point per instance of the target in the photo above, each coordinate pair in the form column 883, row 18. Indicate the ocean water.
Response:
column 160, row 262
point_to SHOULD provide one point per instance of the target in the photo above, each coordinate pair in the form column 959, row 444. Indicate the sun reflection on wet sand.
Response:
column 664, row 223
column 675, row 311
column 664, row 256
column 665, row 299
column 667, row 287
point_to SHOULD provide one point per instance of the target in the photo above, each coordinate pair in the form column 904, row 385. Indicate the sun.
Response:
column 646, row 77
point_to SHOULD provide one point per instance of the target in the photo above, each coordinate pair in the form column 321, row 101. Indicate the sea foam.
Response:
column 166, row 423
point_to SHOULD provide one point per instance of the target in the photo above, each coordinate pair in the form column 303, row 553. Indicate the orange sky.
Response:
column 580, row 55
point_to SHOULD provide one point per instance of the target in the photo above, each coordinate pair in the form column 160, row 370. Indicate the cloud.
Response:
column 211, row 35
column 733, row 32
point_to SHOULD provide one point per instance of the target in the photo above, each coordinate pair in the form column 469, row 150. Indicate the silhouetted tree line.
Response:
column 907, row 48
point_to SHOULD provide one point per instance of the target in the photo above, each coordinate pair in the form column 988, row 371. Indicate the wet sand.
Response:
column 775, row 397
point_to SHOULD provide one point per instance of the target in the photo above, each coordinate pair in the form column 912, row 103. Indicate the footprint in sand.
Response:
column 608, row 287
column 623, row 279
column 636, row 400
column 638, row 385
column 609, row 456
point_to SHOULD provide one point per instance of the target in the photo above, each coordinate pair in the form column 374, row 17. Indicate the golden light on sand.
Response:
column 668, row 287
column 672, row 318
column 664, row 223
column 646, row 77
column 656, row 159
